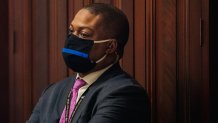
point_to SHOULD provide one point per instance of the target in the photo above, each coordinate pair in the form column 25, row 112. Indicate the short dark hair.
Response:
column 114, row 20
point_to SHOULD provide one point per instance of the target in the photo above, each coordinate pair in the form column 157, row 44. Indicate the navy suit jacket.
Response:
column 114, row 97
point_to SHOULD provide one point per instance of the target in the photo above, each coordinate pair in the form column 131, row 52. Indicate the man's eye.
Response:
column 83, row 35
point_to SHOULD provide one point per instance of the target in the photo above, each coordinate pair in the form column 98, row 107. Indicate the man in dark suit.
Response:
column 100, row 92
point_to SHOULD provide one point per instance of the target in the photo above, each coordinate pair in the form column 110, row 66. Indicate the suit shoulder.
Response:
column 122, row 80
column 122, row 83
column 59, row 85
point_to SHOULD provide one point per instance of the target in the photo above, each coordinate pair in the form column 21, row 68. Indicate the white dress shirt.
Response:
column 90, row 79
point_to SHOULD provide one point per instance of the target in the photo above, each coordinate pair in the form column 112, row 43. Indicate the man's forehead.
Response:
column 85, row 18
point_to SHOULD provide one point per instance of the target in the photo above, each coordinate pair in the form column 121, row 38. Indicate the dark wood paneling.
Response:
column 128, row 57
column 4, row 62
column 40, row 52
column 150, row 58
column 183, row 65
column 139, row 41
column 20, row 61
column 166, row 60
column 213, row 61
column 205, row 61
column 198, row 63
column 193, row 69
column 103, row 1
column 195, row 63
column 57, row 32
column 73, row 7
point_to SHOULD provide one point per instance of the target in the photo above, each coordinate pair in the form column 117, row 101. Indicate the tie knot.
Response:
column 78, row 84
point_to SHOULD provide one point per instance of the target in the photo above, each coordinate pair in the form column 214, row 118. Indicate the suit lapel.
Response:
column 64, row 94
column 114, row 70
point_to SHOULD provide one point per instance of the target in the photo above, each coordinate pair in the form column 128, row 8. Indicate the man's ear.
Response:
column 112, row 46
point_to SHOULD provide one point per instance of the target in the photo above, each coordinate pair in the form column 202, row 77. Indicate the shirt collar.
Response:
column 92, row 77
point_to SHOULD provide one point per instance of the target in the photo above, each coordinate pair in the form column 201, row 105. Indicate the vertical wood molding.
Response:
column 213, row 60
column 139, row 41
column 193, row 62
column 20, row 60
column 206, row 61
column 165, row 47
column 102, row 1
column 117, row 3
column 27, row 58
column 40, row 49
column 4, row 62
column 183, row 62
column 128, row 56
column 86, row 2
column 150, row 59
column 73, row 7
column 57, row 32
column 199, row 62
column 11, row 61
column 53, row 10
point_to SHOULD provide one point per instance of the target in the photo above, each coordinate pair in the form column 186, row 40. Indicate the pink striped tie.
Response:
column 77, row 85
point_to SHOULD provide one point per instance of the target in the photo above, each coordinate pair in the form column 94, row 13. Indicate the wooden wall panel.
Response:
column 103, row 1
column 213, row 44
column 193, row 56
column 205, row 14
column 4, row 62
column 73, row 8
column 195, row 63
column 128, row 57
column 39, row 47
column 150, row 79
column 139, row 41
column 57, row 32
column 199, row 86
column 183, row 66
column 166, row 60
column 20, row 61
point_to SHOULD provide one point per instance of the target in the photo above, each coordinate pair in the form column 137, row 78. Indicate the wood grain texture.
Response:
column 4, row 62
column 166, row 60
column 139, row 41
column 40, row 49
column 183, row 62
column 128, row 57
column 20, row 59
column 150, row 58
column 193, row 74
column 57, row 34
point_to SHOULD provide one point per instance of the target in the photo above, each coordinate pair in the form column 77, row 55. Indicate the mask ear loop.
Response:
column 102, row 41
column 101, row 59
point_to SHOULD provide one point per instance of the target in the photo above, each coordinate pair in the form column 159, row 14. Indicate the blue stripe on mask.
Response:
column 74, row 52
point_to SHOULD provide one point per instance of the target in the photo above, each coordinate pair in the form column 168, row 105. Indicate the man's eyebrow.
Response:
column 83, row 27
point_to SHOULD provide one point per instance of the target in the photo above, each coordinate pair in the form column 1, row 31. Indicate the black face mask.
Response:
column 76, row 53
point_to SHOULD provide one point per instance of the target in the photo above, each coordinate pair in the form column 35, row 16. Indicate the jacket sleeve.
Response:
column 34, row 118
column 125, row 105
column 36, row 113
